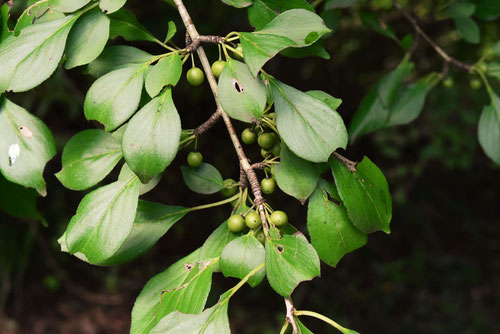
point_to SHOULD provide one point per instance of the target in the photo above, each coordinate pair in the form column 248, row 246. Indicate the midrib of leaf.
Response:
column 204, row 178
column 256, row 46
column 94, row 232
column 92, row 157
column 369, row 197
column 163, row 217
column 298, row 112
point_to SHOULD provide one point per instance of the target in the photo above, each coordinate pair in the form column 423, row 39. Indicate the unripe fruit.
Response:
column 194, row 159
column 253, row 220
column 217, row 67
column 239, row 52
column 236, row 223
column 195, row 76
column 264, row 153
column 276, row 149
column 278, row 218
column 266, row 140
column 230, row 188
column 448, row 82
column 260, row 236
column 475, row 84
column 248, row 136
column 483, row 67
column 268, row 185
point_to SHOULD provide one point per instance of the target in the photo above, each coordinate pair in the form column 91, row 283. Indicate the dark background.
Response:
column 438, row 272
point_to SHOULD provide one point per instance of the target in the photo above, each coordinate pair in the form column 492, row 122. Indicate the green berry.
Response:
column 276, row 149
column 253, row 220
column 475, row 84
column 266, row 140
column 230, row 188
column 194, row 159
column 448, row 82
column 483, row 67
column 217, row 67
column 278, row 218
column 260, row 236
column 268, row 185
column 248, row 136
column 239, row 52
column 195, row 76
column 264, row 153
column 236, row 223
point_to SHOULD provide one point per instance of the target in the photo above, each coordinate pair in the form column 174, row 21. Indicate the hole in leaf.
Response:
column 280, row 248
column 237, row 86
column 333, row 199
column 188, row 266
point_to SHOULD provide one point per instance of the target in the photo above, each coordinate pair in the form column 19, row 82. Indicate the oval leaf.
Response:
column 30, row 58
column 289, row 261
column 332, row 233
column 125, row 24
column 117, row 57
column 26, row 146
column 167, row 71
column 295, row 176
column 151, row 139
column 111, row 6
column 183, row 287
column 87, row 158
column 114, row 97
column 308, row 126
column 241, row 256
column 103, row 220
column 365, row 194
column 489, row 133
column 242, row 96
column 87, row 39
column 67, row 6
column 204, row 179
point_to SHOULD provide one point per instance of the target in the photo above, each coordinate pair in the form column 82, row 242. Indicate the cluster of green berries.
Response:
column 195, row 75
column 236, row 223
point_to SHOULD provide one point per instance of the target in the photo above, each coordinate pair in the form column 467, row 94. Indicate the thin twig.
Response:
column 207, row 124
column 290, row 309
column 193, row 44
column 250, row 173
column 351, row 165
column 447, row 58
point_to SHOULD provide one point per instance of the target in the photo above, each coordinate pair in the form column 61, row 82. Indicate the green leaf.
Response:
column 302, row 329
column 365, row 194
column 125, row 24
column 166, row 72
column 126, row 172
column 487, row 10
column 18, row 201
column 326, row 98
column 332, row 233
column 494, row 69
column 67, row 6
column 489, row 133
column 238, row 3
column 315, row 49
column 151, row 139
column 460, row 9
column 172, row 29
column 213, row 320
column 370, row 20
column 30, row 58
column 215, row 243
column 410, row 100
column 242, row 96
column 373, row 112
column 152, row 221
column 87, row 158
column 184, row 287
column 309, row 127
column 87, row 39
column 111, row 6
column 114, row 97
column 241, row 256
column 26, row 146
column 295, row 27
column 117, row 57
column 290, row 261
column 264, row 11
column 103, row 220
column 469, row 29
column 295, row 176
column 4, row 18
column 204, row 179
column 25, row 20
